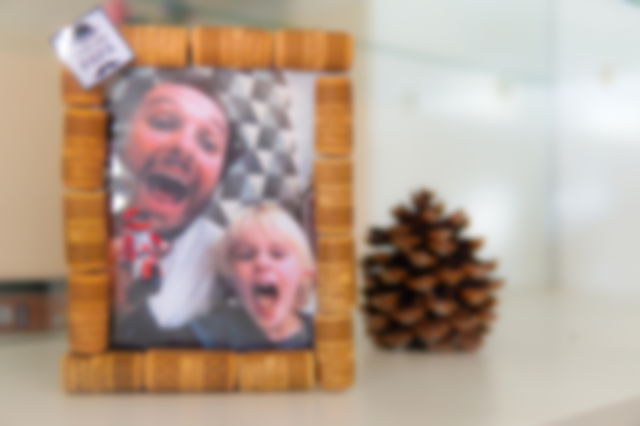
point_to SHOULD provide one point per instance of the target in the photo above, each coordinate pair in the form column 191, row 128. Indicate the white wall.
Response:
column 460, row 102
column 598, row 107
column 31, row 117
column 503, row 36
column 451, row 95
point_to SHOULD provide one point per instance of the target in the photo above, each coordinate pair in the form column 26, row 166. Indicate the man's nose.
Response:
column 178, row 157
column 183, row 149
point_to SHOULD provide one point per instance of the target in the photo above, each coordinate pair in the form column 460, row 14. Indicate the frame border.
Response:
column 90, row 365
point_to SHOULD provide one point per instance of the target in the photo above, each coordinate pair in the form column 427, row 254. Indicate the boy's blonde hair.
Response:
column 270, row 217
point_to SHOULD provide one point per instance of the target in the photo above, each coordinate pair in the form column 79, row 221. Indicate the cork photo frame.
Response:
column 96, row 362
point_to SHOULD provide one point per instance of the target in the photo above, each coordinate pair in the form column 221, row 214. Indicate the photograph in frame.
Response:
column 210, row 174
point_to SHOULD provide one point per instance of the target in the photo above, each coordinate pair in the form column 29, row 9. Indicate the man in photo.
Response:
column 175, row 149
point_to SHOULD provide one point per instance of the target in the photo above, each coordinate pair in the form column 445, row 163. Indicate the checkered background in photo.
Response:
column 264, row 162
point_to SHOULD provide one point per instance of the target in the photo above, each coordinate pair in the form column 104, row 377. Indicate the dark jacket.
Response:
column 230, row 327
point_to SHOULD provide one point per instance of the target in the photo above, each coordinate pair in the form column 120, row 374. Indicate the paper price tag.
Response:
column 92, row 48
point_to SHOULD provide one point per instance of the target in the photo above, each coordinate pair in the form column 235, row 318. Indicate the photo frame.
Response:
column 93, row 364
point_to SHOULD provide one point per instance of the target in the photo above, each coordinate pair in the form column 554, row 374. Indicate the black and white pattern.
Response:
column 263, row 162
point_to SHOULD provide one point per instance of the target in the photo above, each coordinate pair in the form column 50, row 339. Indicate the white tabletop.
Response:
column 552, row 358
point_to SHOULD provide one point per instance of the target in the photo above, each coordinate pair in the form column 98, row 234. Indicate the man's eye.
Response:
column 163, row 121
column 207, row 143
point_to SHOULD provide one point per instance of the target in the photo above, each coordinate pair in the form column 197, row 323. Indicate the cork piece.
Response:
column 337, row 292
column 276, row 371
column 89, row 312
column 117, row 371
column 335, row 351
column 334, row 195
column 334, row 91
column 86, row 230
column 339, row 373
column 336, row 274
column 232, row 47
column 333, row 208
column 313, row 50
column 175, row 370
column 334, row 116
column 333, row 171
column 85, row 148
column 158, row 46
column 73, row 94
column 333, row 328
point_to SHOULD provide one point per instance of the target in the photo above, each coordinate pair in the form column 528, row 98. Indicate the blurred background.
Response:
column 525, row 113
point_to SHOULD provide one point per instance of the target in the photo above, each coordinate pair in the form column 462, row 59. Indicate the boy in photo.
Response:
column 268, row 260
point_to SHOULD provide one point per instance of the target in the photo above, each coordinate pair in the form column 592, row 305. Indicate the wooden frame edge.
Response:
column 333, row 171
column 158, row 45
column 232, row 47
column 313, row 50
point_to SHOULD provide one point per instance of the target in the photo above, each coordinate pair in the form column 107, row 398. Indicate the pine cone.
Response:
column 425, row 288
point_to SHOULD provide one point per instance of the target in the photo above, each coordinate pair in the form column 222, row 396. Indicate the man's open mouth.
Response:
column 167, row 187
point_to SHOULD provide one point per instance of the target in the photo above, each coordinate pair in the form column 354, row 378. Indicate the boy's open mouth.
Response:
column 167, row 188
column 265, row 296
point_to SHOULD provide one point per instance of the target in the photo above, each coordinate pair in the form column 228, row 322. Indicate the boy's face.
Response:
column 269, row 273
column 176, row 148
